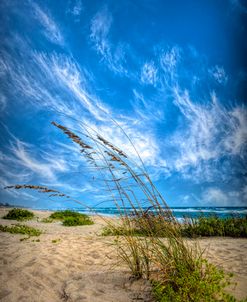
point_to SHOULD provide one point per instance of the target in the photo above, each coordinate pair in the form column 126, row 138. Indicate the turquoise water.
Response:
column 179, row 212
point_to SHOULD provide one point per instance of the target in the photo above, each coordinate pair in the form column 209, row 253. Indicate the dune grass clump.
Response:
column 19, row 214
column 78, row 220
column 21, row 229
column 47, row 220
column 141, row 224
column 71, row 218
column 60, row 215
column 204, row 283
column 215, row 226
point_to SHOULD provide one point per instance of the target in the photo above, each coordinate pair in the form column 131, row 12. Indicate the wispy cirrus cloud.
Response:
column 170, row 58
column 3, row 102
column 113, row 55
column 146, row 109
column 218, row 74
column 68, row 76
column 75, row 8
column 50, row 28
column 100, row 27
column 149, row 74
column 15, row 193
column 46, row 167
column 212, row 132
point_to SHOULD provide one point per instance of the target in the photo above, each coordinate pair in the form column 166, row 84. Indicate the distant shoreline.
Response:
column 178, row 212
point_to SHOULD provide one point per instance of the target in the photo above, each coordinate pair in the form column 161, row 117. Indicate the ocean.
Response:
column 178, row 212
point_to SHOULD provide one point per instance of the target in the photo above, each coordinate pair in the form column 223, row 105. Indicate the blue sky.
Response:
column 171, row 73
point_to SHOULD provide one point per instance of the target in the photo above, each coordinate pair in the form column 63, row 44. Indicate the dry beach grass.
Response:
column 77, row 264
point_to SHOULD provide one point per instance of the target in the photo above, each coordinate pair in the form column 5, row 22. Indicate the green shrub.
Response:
column 19, row 214
column 20, row 229
column 47, row 220
column 204, row 283
column 70, row 218
column 77, row 220
column 215, row 226
column 60, row 215
column 56, row 240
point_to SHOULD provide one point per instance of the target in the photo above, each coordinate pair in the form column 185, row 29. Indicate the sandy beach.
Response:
column 77, row 264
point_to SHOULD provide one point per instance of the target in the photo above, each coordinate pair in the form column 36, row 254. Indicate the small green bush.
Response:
column 19, row 214
column 20, row 229
column 77, row 220
column 56, row 240
column 60, row 215
column 204, row 283
column 47, row 220
column 70, row 218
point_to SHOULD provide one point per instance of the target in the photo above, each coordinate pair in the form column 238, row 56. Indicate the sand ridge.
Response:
column 77, row 264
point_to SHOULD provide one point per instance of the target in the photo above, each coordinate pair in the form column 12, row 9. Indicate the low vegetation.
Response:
column 202, row 226
column 70, row 218
column 20, row 229
column 203, row 282
column 56, row 240
column 79, row 220
column 47, row 220
column 19, row 214
column 215, row 226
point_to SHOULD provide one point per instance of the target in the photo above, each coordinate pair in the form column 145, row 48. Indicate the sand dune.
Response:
column 77, row 264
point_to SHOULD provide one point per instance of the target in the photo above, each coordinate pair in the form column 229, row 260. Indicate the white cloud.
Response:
column 100, row 27
column 76, row 7
column 215, row 196
column 67, row 74
column 212, row 132
column 51, row 29
column 244, row 192
column 169, row 60
column 47, row 167
column 149, row 74
column 29, row 81
column 219, row 74
column 236, row 140
column 147, row 110
column 3, row 67
column 3, row 102
column 15, row 193
column 112, row 55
